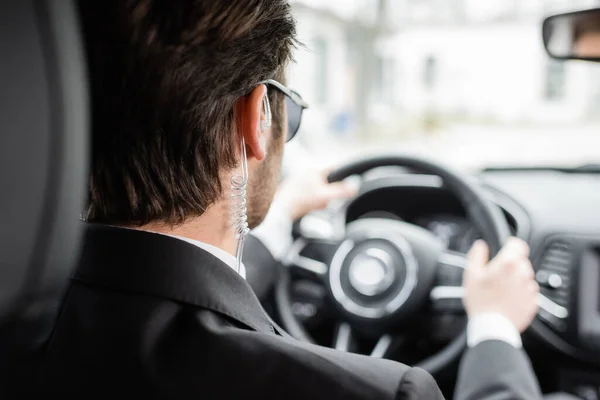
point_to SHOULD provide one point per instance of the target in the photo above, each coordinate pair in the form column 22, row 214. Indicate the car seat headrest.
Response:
column 43, row 152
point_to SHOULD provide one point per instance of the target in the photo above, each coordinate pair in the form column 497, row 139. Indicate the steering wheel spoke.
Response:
column 447, row 293
column 308, row 266
column 453, row 259
column 309, row 258
column 344, row 338
column 382, row 346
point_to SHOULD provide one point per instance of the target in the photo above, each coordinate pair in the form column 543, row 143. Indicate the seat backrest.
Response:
column 43, row 159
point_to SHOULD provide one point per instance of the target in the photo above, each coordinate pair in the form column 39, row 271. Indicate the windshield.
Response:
column 465, row 82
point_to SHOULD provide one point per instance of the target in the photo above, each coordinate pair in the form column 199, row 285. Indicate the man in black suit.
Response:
column 158, row 307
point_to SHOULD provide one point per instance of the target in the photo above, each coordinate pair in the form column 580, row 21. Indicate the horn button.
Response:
column 371, row 272
column 379, row 273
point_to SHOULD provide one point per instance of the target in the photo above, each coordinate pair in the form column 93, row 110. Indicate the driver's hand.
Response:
column 310, row 191
column 505, row 285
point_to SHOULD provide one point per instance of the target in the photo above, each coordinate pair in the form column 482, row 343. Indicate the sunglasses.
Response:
column 295, row 107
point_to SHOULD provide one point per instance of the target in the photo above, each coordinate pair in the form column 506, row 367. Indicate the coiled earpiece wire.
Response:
column 239, row 185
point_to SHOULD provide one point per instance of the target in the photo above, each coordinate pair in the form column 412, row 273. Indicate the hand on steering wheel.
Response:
column 310, row 191
column 505, row 286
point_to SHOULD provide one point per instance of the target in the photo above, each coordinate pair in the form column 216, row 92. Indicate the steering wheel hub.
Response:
column 371, row 272
column 372, row 276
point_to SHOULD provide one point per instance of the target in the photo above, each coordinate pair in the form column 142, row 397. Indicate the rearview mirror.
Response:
column 573, row 36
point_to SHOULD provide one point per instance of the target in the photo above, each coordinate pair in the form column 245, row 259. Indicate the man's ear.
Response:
column 253, row 122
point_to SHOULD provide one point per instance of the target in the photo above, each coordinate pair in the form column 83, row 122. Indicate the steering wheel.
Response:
column 384, row 272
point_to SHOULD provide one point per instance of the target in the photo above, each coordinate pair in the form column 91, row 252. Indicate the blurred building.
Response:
column 374, row 68
column 485, row 60
column 337, row 65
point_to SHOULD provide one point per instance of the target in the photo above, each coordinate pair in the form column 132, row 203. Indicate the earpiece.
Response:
column 266, row 123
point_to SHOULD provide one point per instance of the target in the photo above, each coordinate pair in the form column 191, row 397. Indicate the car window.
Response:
column 466, row 82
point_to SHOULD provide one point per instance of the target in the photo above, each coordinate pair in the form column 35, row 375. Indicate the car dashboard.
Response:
column 426, row 204
column 557, row 214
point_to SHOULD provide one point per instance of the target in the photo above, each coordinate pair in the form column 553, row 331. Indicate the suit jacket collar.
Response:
column 157, row 265
column 222, row 255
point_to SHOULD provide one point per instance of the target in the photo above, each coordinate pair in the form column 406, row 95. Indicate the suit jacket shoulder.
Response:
column 154, row 317
column 283, row 368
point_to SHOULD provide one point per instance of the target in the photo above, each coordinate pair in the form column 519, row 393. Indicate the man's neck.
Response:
column 212, row 227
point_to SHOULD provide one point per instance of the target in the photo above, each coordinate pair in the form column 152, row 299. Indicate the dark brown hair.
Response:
column 165, row 76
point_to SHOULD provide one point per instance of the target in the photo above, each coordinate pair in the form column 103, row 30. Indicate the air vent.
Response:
column 554, row 272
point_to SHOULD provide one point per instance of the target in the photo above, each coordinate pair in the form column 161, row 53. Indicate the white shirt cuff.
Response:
column 492, row 326
column 275, row 232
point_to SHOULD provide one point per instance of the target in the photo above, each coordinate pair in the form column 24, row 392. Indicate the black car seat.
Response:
column 43, row 169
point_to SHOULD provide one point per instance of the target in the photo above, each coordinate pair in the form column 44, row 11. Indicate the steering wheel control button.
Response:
column 371, row 272
column 542, row 277
column 555, row 281
column 549, row 279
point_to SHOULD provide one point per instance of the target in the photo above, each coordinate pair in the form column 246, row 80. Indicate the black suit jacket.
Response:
column 152, row 316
